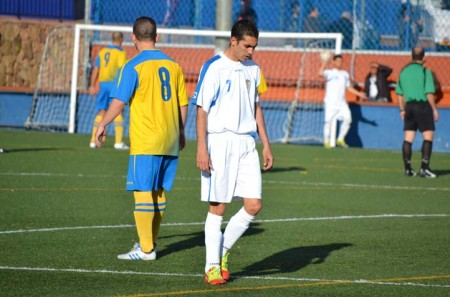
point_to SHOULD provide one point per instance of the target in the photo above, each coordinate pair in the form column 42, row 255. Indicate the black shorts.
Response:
column 418, row 116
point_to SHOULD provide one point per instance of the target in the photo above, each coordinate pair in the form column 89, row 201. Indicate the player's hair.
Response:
column 244, row 28
column 117, row 36
column 337, row 57
column 144, row 29
column 417, row 54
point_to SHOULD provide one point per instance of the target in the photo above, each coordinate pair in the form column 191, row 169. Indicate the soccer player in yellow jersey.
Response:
column 107, row 65
column 154, row 87
column 262, row 88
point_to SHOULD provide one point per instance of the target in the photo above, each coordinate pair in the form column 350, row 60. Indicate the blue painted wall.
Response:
column 373, row 127
column 48, row 9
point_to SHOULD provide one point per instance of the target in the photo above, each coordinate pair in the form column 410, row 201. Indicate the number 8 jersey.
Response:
column 154, row 87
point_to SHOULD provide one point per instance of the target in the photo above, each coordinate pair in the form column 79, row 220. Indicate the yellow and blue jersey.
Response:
column 154, row 87
column 109, row 61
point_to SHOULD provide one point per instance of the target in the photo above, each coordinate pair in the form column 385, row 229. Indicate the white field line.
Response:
column 171, row 274
column 379, row 216
column 265, row 181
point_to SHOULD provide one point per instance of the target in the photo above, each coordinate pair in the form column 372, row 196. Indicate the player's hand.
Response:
column 435, row 115
column 100, row 135
column 182, row 140
column 203, row 161
column 93, row 91
column 267, row 159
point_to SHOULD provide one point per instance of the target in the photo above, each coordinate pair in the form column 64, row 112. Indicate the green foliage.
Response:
column 335, row 223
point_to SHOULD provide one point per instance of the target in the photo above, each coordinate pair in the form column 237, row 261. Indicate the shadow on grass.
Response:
column 278, row 169
column 292, row 260
column 442, row 172
column 31, row 150
column 196, row 239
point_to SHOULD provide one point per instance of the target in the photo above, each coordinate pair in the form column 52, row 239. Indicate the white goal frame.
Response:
column 184, row 32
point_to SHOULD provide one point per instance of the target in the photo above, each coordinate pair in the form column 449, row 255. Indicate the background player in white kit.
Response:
column 336, row 107
column 228, row 118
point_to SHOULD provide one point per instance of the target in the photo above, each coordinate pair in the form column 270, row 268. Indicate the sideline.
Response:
column 397, row 281
column 379, row 216
column 264, row 181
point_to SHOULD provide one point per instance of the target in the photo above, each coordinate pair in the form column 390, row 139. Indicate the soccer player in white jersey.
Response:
column 228, row 118
column 336, row 107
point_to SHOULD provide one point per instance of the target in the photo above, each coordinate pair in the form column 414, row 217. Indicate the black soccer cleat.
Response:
column 410, row 172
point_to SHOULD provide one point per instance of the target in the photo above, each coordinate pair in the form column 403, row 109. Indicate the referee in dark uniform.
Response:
column 415, row 92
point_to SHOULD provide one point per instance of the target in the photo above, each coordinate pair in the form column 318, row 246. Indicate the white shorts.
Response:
column 339, row 111
column 236, row 172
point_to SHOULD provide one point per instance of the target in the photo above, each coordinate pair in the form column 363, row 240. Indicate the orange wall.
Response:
column 282, row 80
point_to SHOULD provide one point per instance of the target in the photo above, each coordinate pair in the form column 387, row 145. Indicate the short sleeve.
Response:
column 398, row 86
column 347, row 80
column 429, row 82
column 97, row 62
column 125, row 84
column 326, row 74
column 206, row 90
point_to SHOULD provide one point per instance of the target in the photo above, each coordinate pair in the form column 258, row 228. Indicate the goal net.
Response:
column 293, row 103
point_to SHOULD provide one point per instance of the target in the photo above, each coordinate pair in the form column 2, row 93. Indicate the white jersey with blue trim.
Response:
column 227, row 91
column 337, row 81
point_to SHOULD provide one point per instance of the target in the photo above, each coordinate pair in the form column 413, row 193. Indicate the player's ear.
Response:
column 133, row 38
column 233, row 41
column 156, row 38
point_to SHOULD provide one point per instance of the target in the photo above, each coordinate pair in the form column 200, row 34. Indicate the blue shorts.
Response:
column 103, row 95
column 148, row 173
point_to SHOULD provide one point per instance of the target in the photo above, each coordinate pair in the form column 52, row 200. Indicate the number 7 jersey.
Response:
column 154, row 87
column 227, row 91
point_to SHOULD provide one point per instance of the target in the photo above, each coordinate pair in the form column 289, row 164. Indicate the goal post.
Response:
column 293, row 104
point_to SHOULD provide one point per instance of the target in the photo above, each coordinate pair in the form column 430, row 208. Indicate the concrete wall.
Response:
column 373, row 127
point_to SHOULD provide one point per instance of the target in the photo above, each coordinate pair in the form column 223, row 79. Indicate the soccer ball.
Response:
column 325, row 56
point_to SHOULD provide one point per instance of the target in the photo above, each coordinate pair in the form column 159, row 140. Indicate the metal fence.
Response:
column 366, row 24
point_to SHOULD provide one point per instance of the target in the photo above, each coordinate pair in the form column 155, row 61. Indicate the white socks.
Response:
column 237, row 225
column 213, row 240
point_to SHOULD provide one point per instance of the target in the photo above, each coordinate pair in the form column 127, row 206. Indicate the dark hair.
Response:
column 244, row 28
column 337, row 57
column 417, row 54
column 144, row 28
column 117, row 36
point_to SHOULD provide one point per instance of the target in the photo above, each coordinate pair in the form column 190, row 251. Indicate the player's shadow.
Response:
column 442, row 172
column 284, row 169
column 353, row 138
column 292, row 259
column 196, row 239
column 30, row 150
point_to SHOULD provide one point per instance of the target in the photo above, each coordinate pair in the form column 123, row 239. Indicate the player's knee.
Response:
column 254, row 207
column 217, row 208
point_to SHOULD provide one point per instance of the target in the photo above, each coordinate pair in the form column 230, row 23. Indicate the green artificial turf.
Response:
column 339, row 222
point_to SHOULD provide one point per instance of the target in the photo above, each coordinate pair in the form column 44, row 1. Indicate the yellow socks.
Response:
column 148, row 212
column 97, row 121
column 160, row 199
column 118, row 128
